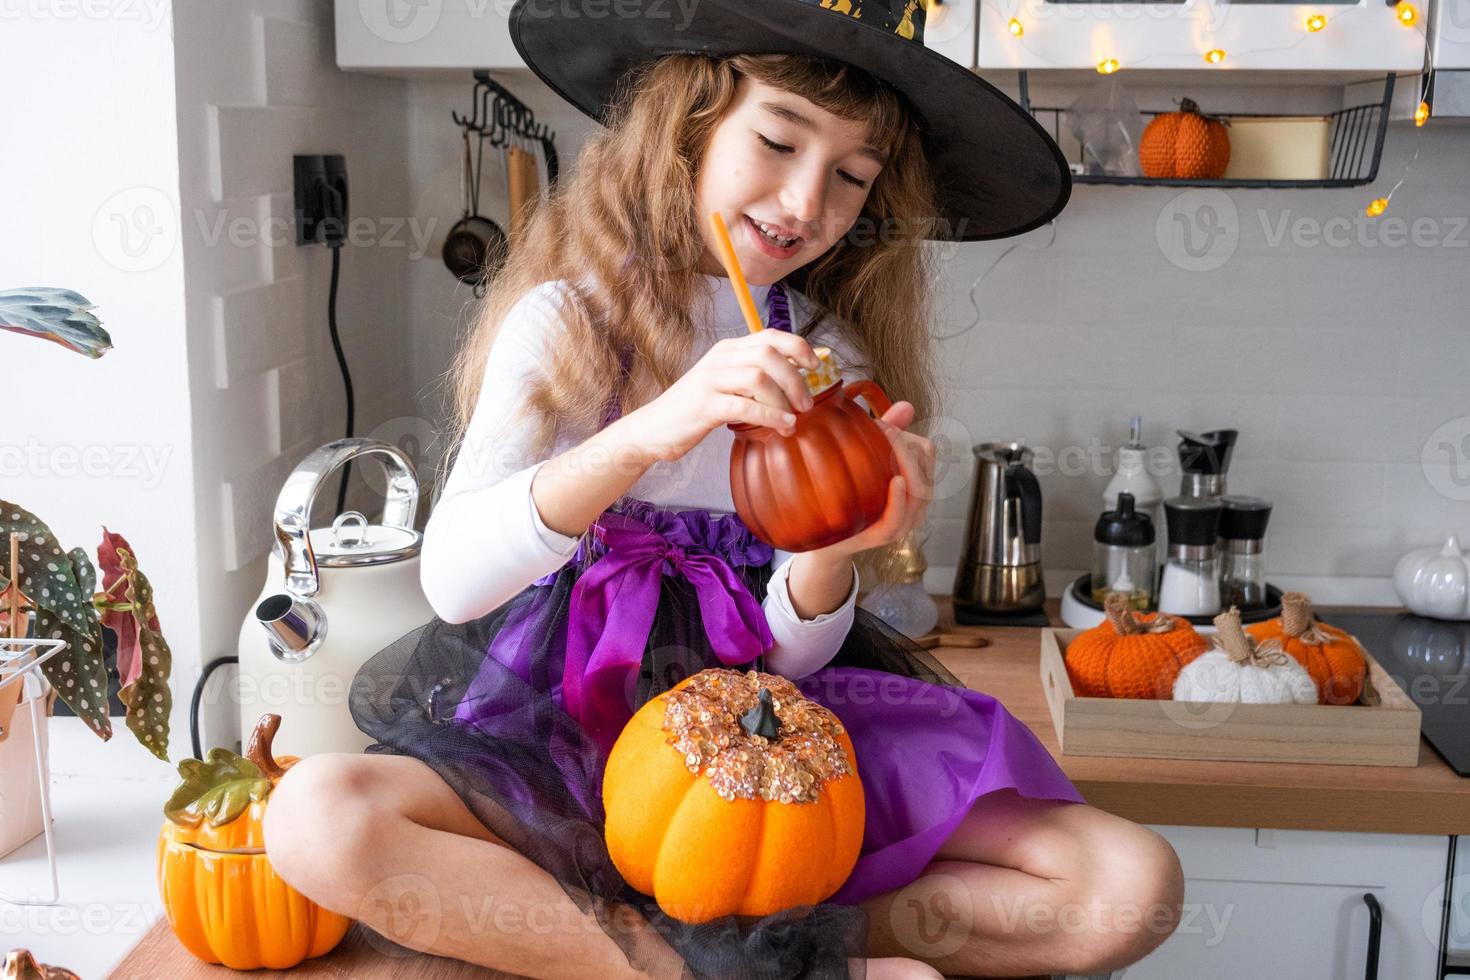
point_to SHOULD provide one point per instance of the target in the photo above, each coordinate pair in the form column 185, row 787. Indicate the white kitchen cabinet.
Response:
column 1450, row 34
column 417, row 36
column 949, row 28
column 1288, row 905
column 1357, row 37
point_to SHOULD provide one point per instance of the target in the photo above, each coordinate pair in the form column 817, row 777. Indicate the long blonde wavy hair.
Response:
column 633, row 194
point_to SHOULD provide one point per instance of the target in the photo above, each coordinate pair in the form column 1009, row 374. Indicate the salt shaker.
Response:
column 1243, row 550
column 1191, row 582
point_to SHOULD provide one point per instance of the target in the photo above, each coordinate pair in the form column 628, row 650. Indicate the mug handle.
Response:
column 868, row 388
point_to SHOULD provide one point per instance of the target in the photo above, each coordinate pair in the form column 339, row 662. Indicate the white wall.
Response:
column 257, row 82
column 1336, row 356
column 89, row 194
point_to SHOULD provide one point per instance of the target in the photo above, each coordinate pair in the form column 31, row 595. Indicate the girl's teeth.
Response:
column 774, row 238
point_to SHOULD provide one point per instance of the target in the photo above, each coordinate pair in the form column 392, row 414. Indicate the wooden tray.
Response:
column 1382, row 729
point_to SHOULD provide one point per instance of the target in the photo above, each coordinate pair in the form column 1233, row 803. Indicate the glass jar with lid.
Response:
column 1123, row 555
column 1191, row 582
column 1243, row 550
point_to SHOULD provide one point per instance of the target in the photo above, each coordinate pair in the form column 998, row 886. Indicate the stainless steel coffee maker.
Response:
column 1000, row 562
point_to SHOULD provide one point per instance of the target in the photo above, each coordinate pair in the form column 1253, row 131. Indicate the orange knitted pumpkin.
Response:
column 1332, row 657
column 1131, row 655
column 1184, row 144
column 732, row 794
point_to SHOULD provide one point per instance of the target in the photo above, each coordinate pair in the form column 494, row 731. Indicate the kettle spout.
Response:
column 295, row 625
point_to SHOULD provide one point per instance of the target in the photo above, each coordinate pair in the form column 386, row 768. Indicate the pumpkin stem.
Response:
column 761, row 720
column 259, row 749
column 1187, row 104
column 1297, row 621
column 1127, row 623
column 1240, row 646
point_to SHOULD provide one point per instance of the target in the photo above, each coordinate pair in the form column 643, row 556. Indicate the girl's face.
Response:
column 777, row 160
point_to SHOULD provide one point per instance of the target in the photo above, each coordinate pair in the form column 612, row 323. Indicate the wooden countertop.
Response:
column 1427, row 799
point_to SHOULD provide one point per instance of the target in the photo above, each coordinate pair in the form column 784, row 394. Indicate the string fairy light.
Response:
column 1107, row 66
column 1315, row 22
column 1014, row 26
column 1214, row 56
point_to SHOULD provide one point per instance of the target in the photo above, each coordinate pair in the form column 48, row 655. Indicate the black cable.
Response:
column 336, row 247
column 209, row 668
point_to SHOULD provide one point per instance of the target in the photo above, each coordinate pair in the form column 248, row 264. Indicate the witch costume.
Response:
column 516, row 707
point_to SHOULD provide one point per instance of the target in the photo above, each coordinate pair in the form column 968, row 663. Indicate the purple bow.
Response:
column 612, row 609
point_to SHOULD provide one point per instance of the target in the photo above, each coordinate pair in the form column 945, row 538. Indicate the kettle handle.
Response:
column 868, row 388
column 293, row 505
column 1021, row 482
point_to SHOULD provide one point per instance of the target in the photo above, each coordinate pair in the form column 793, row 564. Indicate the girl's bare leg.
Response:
column 384, row 839
column 1025, row 887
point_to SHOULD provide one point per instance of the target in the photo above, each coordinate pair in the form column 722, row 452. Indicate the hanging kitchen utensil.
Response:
column 476, row 246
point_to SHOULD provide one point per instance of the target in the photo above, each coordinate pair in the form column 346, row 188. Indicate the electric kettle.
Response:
column 333, row 597
column 1000, row 561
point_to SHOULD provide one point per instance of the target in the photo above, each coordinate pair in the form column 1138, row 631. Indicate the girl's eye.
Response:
column 782, row 148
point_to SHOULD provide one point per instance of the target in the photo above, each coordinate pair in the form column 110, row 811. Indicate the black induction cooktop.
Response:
column 1430, row 660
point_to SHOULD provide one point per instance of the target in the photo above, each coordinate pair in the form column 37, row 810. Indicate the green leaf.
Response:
column 47, row 577
column 77, row 673
column 216, row 790
column 149, row 698
column 61, row 316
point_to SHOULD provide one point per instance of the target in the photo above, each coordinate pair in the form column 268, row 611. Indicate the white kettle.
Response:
column 333, row 597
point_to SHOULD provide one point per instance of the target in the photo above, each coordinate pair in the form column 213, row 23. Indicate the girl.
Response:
column 583, row 556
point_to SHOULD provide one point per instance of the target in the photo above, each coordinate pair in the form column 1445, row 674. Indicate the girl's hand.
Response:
column 909, row 493
column 739, row 379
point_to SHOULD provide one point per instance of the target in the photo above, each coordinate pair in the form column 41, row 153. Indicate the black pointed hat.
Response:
column 997, row 171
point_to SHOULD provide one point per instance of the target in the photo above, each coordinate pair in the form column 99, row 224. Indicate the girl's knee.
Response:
column 1138, row 893
column 318, row 824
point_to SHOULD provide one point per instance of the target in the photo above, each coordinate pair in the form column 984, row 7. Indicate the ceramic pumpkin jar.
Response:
column 1131, row 655
column 827, row 480
column 224, row 901
column 732, row 794
column 21, row 965
column 1332, row 657
column 1184, row 145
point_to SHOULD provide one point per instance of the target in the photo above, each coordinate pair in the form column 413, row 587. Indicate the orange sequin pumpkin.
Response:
column 1184, row 145
column 223, row 899
column 1131, row 655
column 732, row 794
column 1332, row 657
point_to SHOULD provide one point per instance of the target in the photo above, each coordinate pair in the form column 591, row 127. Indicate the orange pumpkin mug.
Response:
column 826, row 481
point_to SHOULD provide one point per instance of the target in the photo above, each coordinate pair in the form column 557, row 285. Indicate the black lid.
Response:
column 1192, row 520
column 1206, row 452
column 1244, row 518
column 1124, row 526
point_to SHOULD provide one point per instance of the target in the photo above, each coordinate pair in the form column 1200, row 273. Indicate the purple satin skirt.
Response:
column 517, row 711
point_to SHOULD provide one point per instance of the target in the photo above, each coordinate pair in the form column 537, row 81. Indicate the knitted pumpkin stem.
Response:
column 1297, row 621
column 259, row 749
column 1126, row 622
column 1240, row 646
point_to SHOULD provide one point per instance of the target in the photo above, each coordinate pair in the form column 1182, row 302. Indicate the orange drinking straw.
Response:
column 732, row 268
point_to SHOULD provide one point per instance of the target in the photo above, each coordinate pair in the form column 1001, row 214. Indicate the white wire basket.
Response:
column 25, row 778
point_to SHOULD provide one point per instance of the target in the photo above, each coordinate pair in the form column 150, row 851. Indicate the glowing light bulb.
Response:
column 1407, row 13
column 1107, row 66
column 1214, row 56
column 1421, row 114
column 1014, row 26
column 1376, row 207
column 1315, row 22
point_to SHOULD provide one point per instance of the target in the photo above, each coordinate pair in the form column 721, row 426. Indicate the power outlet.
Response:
column 321, row 198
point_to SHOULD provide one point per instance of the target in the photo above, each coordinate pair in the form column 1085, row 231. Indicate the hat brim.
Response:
column 997, row 171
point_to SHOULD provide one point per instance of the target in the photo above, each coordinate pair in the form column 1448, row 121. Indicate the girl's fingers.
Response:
column 736, row 408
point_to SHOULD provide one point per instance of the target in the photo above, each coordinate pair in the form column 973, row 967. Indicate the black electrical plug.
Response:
column 321, row 199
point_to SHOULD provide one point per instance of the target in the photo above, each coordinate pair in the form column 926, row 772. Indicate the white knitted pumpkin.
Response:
column 1240, row 670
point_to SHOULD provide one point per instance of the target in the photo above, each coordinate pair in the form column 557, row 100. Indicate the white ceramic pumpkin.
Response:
column 1435, row 582
column 1240, row 670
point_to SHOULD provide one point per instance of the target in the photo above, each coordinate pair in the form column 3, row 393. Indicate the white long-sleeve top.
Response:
column 485, row 540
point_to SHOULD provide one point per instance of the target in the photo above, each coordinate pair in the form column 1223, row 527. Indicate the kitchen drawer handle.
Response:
column 1375, row 935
